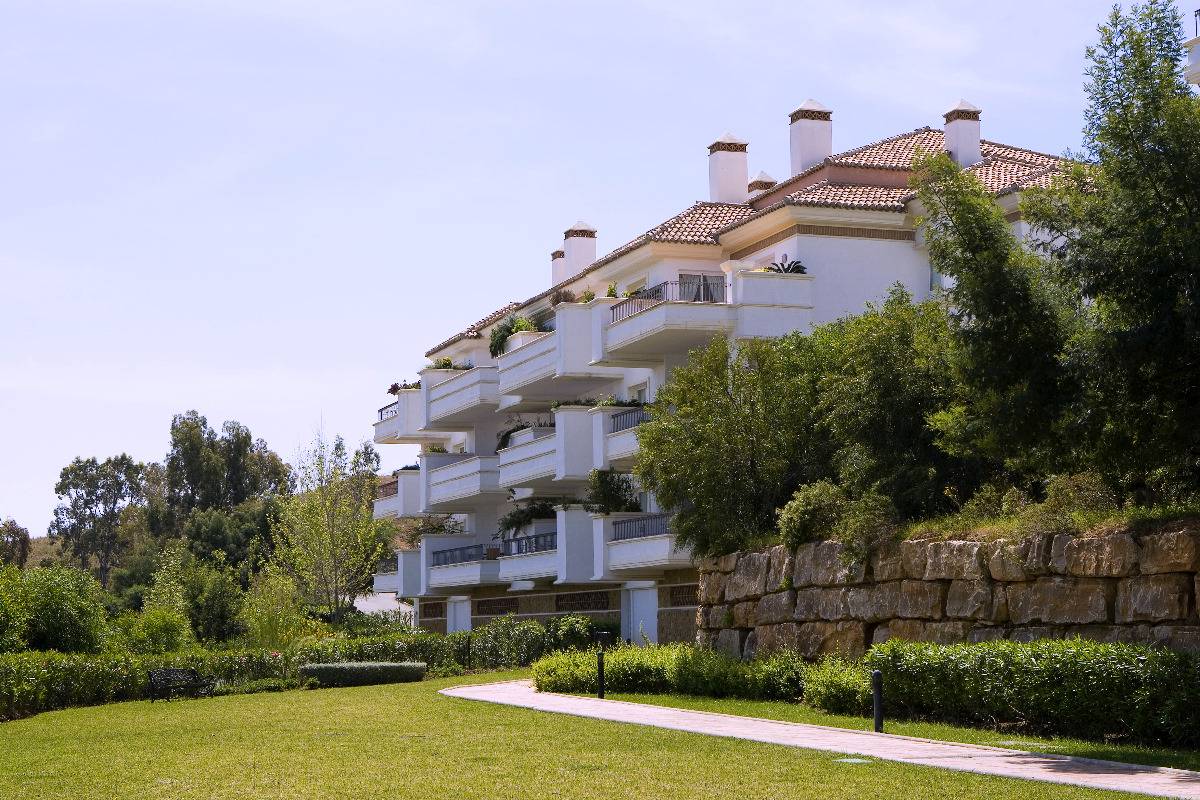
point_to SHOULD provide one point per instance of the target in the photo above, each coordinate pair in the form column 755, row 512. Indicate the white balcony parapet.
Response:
column 402, row 421
column 386, row 582
column 529, row 557
column 614, row 435
column 1192, row 71
column 461, row 565
column 459, row 482
column 406, row 580
column 543, row 457
column 555, row 364
column 403, row 498
column 637, row 545
column 458, row 398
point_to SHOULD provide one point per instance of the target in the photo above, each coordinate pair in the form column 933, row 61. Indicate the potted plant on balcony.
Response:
column 786, row 267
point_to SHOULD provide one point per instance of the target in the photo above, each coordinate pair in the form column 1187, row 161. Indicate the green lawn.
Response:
column 797, row 712
column 406, row 741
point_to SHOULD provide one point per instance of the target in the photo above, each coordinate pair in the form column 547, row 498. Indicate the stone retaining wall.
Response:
column 1111, row 588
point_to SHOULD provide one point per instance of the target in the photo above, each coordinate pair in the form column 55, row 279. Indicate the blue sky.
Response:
column 267, row 210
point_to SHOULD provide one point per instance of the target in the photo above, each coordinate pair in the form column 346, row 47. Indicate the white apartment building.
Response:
column 847, row 216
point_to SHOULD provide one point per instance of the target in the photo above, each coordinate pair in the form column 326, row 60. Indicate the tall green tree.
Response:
column 15, row 543
column 93, row 496
column 1123, row 229
column 1010, row 324
column 326, row 534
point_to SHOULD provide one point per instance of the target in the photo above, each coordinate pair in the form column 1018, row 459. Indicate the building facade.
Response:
column 533, row 420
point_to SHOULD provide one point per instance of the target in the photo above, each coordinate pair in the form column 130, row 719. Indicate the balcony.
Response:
column 641, row 544
column 399, row 495
column 670, row 318
column 542, row 367
column 543, row 458
column 1192, row 71
column 457, row 399
column 614, row 436
column 472, row 565
column 459, row 483
column 401, row 422
column 529, row 557
column 386, row 582
column 406, row 580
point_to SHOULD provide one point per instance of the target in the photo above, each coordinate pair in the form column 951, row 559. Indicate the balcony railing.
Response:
column 624, row 420
column 389, row 411
column 693, row 289
column 523, row 545
column 640, row 527
column 463, row 555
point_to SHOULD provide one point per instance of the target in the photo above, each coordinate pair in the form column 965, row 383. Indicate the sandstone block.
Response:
column 914, row 556
column 727, row 562
column 1112, row 634
column 1064, row 601
column 881, row 634
column 774, row 608
column 1178, row 637
column 873, row 602
column 1036, row 632
column 1154, row 598
column 986, row 633
column 719, row 617
column 912, row 630
column 969, row 599
column 1038, row 555
column 706, row 639
column 748, row 579
column 1058, row 553
column 773, row 638
column 1007, row 561
column 954, row 561
column 1174, row 551
column 921, row 599
column 948, row 632
column 779, row 569
column 820, row 564
column 707, row 565
column 887, row 564
column 816, row 639
column 999, row 603
column 712, row 587
column 1102, row 556
column 750, row 646
column 743, row 614
column 729, row 642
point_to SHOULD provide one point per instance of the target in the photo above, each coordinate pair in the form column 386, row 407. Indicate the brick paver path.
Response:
column 1086, row 772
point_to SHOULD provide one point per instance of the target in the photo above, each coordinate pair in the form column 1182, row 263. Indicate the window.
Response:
column 701, row 288
column 638, row 393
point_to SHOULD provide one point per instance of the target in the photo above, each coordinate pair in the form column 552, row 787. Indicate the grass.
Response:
column 407, row 741
column 799, row 712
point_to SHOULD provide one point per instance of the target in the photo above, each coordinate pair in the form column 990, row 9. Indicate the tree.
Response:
column 1009, row 325
column 96, row 495
column 66, row 612
column 205, row 470
column 15, row 544
column 1122, row 230
column 730, row 436
column 273, row 611
column 326, row 534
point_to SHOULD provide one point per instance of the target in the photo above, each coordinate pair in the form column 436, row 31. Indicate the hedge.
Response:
column 36, row 681
column 1068, row 687
column 366, row 673
column 672, row 668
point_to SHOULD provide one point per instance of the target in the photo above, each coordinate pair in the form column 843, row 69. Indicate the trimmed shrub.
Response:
column 837, row 687
column 1067, row 687
column 14, row 610
column 812, row 513
column 509, row 642
column 366, row 673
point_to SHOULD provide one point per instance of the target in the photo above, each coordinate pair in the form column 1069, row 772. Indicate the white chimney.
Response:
column 962, row 134
column 558, row 267
column 811, row 132
column 579, row 251
column 762, row 181
column 728, row 172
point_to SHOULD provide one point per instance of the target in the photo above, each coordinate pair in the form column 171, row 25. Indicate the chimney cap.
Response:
column 811, row 109
column 557, row 254
column 963, row 110
column 580, row 229
column 728, row 143
column 762, row 181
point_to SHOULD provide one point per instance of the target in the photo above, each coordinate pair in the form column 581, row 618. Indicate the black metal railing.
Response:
column 624, row 420
column 536, row 543
column 690, row 289
column 463, row 555
column 389, row 411
column 640, row 527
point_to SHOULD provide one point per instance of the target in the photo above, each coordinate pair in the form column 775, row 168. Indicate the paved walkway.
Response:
column 1086, row 772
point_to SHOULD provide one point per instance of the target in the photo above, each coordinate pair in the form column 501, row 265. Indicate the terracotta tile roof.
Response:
column 698, row 224
column 1010, row 153
column 1001, row 176
column 475, row 330
column 833, row 195
column 896, row 152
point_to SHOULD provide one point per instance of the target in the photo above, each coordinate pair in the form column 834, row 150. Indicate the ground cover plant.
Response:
column 1074, row 687
column 341, row 743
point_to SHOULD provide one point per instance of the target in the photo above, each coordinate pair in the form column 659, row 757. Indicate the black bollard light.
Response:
column 877, row 699
column 602, row 640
